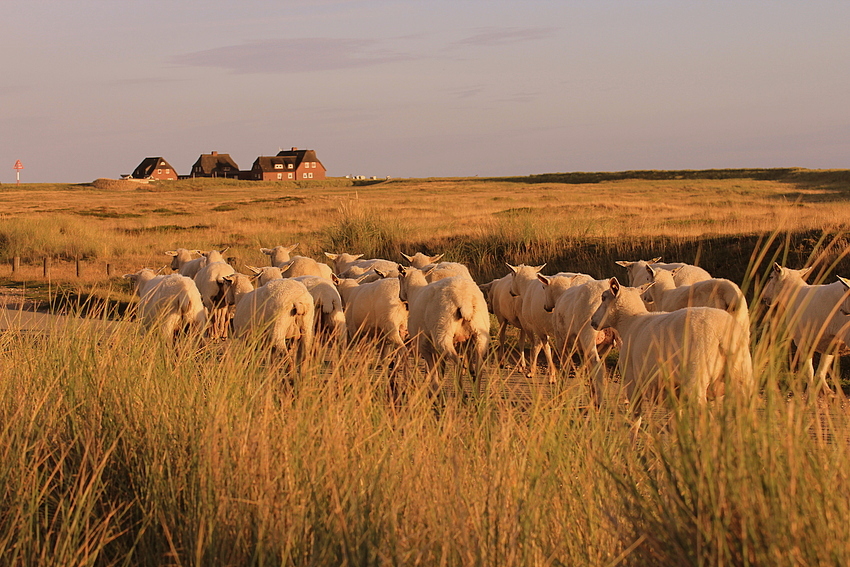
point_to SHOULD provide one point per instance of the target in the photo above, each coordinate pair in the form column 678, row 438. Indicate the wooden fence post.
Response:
column 16, row 264
column 46, row 267
column 109, row 270
column 78, row 266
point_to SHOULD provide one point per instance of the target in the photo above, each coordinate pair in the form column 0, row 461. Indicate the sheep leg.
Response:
column 503, row 331
column 550, row 362
column 824, row 367
column 536, row 346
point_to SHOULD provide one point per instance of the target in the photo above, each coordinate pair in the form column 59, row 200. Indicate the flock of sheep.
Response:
column 674, row 325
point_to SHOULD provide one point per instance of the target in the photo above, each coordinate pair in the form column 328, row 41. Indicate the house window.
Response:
column 290, row 175
column 168, row 171
column 305, row 175
column 290, row 166
column 311, row 175
column 159, row 172
column 279, row 176
column 278, row 166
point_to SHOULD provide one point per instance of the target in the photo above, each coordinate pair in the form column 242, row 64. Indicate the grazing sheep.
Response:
column 420, row 260
column 279, row 254
column 304, row 266
column 343, row 262
column 691, row 349
column 442, row 315
column 329, row 315
column 719, row 293
column 209, row 283
column 506, row 308
column 279, row 311
column 571, row 313
column 374, row 308
column 686, row 275
column 169, row 303
column 265, row 274
column 183, row 263
column 813, row 317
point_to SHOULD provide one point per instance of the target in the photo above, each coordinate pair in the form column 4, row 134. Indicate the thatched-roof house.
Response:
column 215, row 164
column 154, row 168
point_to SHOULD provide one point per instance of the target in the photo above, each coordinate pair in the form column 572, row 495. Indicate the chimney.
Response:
column 213, row 153
column 294, row 149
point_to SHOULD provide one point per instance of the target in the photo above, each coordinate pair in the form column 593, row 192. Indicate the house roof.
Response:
column 300, row 156
column 148, row 165
column 213, row 162
column 267, row 163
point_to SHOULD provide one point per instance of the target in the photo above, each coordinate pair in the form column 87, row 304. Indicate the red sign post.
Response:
column 18, row 167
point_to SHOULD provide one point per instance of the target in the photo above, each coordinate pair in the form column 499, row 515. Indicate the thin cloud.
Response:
column 293, row 55
column 488, row 37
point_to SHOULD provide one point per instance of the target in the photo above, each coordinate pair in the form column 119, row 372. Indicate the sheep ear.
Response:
column 804, row 273
column 199, row 252
column 513, row 268
column 255, row 271
column 171, row 253
column 406, row 257
column 624, row 263
column 428, row 273
column 380, row 273
column 226, row 279
column 331, row 256
column 357, row 257
column 650, row 271
column 133, row 277
column 293, row 247
column 267, row 251
column 435, row 259
column 844, row 281
column 777, row 268
column 543, row 279
column 485, row 287
column 161, row 269
column 540, row 267
column 615, row 286
column 654, row 260
column 401, row 269
column 646, row 286
column 335, row 279
column 677, row 270
column 361, row 278
column 225, row 250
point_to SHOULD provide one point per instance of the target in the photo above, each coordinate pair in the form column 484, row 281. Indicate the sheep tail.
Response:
column 465, row 312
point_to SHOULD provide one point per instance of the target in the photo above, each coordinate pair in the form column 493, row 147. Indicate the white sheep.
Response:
column 571, row 313
column 366, row 275
column 436, row 272
column 506, row 308
column 443, row 315
column 279, row 311
column 420, row 260
column 279, row 254
column 209, row 283
column 374, row 308
column 304, row 266
column 719, row 293
column 534, row 319
column 686, row 275
column 692, row 350
column 169, row 303
column 265, row 274
column 812, row 314
column 329, row 314
column 235, row 286
column 342, row 263
column 183, row 262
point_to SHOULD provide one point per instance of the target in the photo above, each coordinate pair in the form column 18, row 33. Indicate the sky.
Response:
column 430, row 88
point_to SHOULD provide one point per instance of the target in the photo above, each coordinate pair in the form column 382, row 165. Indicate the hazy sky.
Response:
column 424, row 88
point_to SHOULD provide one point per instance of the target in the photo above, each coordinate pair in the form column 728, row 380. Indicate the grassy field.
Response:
column 120, row 450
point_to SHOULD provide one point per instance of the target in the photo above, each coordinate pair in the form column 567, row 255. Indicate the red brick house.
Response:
column 305, row 165
column 271, row 168
column 215, row 164
column 154, row 168
column 289, row 165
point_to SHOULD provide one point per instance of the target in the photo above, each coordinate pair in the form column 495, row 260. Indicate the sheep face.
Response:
column 780, row 280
